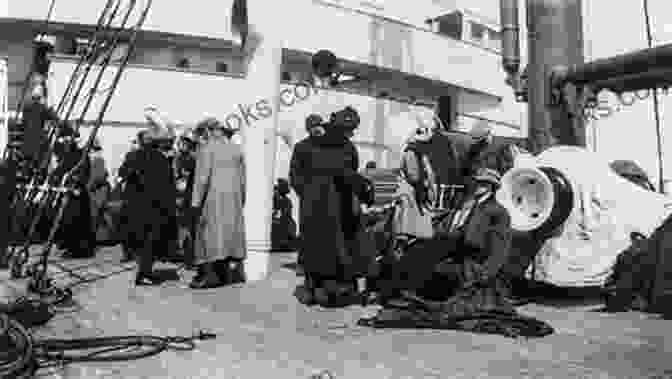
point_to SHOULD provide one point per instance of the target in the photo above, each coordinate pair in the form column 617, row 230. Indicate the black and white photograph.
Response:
column 323, row 189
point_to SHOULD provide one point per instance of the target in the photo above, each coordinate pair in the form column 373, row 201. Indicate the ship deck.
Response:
column 263, row 332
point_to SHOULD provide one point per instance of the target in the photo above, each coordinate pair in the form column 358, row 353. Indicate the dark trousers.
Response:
column 417, row 266
column 76, row 230
column 151, row 245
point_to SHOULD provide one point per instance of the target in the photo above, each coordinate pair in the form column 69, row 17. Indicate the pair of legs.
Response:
column 219, row 273
column 154, row 243
column 416, row 268
column 76, row 230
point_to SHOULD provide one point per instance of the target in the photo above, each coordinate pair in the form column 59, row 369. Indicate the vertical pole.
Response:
column 4, row 105
column 656, row 105
column 555, row 38
column 259, row 137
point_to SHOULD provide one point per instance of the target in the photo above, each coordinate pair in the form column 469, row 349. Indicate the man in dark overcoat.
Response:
column 323, row 172
column 153, row 204
column 315, row 129
column 130, row 177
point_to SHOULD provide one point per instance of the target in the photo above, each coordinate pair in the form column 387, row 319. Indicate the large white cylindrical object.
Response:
column 585, row 210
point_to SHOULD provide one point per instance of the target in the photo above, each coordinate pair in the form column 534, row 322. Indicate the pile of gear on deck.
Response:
column 429, row 240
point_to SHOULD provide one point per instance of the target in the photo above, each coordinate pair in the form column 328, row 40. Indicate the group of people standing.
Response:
column 324, row 174
column 471, row 242
column 193, row 199
column 56, row 157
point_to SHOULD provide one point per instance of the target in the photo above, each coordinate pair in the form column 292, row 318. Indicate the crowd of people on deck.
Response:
column 452, row 176
column 187, row 194
column 439, row 237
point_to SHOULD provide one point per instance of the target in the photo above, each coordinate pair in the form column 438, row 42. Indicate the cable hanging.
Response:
column 656, row 106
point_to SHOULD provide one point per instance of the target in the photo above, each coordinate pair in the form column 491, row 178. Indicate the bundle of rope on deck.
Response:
column 23, row 354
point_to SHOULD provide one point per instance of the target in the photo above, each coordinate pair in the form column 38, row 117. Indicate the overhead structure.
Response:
column 555, row 39
column 558, row 83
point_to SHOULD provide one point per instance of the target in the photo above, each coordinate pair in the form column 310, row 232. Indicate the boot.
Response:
column 209, row 280
column 237, row 272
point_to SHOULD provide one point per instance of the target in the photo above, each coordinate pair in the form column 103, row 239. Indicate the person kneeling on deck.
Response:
column 466, row 254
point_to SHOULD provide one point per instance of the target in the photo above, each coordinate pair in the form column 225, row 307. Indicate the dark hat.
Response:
column 313, row 120
column 347, row 117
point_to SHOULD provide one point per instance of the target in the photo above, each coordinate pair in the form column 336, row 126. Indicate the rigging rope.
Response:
column 656, row 104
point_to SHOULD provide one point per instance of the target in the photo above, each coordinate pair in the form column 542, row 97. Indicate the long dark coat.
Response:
column 319, row 168
column 76, row 231
column 150, row 195
column 35, row 114
column 130, row 174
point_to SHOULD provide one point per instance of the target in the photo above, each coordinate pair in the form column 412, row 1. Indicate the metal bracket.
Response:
column 574, row 99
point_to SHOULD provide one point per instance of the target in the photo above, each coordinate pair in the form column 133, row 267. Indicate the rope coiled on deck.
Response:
column 24, row 354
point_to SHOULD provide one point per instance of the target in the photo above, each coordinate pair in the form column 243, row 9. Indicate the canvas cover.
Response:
column 607, row 209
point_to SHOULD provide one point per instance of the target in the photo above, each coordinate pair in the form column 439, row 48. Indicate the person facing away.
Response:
column 218, row 202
